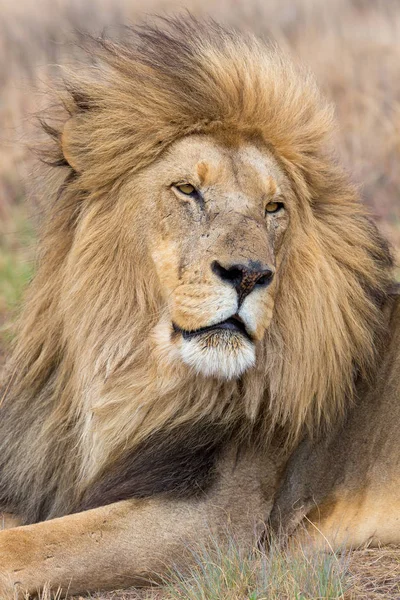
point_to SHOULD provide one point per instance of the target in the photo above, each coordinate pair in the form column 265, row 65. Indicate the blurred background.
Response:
column 353, row 47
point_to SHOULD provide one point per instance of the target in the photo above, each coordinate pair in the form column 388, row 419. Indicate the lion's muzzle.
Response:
column 215, row 327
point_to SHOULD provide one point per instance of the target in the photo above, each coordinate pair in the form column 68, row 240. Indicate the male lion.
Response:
column 211, row 324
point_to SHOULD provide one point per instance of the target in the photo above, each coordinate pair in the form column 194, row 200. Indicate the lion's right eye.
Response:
column 274, row 207
column 186, row 188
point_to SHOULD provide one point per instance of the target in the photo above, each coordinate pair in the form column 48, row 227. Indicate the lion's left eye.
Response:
column 274, row 207
column 186, row 188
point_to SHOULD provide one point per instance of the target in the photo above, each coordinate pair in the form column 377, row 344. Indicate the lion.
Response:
column 212, row 335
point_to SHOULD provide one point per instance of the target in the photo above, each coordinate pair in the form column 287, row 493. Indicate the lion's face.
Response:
column 218, row 213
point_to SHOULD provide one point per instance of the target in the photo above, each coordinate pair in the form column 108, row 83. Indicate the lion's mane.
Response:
column 82, row 362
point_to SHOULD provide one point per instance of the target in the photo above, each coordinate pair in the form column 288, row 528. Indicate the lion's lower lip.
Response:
column 232, row 324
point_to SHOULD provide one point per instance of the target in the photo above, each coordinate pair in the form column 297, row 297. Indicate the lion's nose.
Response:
column 244, row 277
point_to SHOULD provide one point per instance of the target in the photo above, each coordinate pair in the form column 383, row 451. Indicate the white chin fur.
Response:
column 222, row 355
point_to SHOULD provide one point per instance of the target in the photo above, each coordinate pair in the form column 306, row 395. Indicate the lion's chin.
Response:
column 221, row 354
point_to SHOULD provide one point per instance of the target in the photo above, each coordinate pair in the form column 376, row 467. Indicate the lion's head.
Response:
column 217, row 209
column 204, row 256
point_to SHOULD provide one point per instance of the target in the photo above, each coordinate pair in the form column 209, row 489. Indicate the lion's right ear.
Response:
column 69, row 147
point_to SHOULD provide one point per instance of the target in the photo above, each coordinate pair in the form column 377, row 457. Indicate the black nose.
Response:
column 244, row 278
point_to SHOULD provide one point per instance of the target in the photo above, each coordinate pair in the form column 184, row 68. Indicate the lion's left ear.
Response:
column 69, row 146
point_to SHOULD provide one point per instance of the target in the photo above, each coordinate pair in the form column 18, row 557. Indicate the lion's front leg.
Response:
column 119, row 545
column 123, row 544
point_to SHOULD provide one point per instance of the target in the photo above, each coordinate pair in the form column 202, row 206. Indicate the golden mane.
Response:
column 83, row 353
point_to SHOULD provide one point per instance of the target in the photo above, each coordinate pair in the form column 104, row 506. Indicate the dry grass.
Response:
column 368, row 574
column 296, row 573
column 353, row 46
column 375, row 574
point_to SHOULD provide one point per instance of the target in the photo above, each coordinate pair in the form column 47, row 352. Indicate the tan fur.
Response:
column 97, row 369
column 347, row 483
column 371, row 518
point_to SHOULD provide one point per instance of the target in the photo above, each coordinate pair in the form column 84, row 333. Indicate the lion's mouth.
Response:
column 233, row 324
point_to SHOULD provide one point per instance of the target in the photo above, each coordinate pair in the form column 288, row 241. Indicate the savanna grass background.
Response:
column 353, row 47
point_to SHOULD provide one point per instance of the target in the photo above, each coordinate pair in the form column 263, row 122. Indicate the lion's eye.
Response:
column 274, row 207
column 186, row 189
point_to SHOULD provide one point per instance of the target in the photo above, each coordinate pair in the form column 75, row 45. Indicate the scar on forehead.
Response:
column 202, row 171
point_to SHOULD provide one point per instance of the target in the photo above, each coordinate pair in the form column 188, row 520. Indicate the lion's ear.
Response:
column 69, row 146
